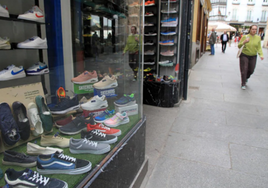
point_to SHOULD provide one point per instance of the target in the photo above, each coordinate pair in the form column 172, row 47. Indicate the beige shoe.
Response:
column 34, row 149
column 106, row 83
column 54, row 140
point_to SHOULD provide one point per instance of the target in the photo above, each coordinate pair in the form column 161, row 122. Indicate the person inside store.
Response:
column 248, row 57
column 212, row 41
column 132, row 46
column 224, row 40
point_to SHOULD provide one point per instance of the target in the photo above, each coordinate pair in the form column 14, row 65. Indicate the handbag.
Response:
column 239, row 51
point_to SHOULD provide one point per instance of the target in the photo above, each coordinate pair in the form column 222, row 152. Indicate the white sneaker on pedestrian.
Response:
column 243, row 87
column 95, row 103
column 34, row 42
column 12, row 72
column 34, row 119
column 4, row 11
column 34, row 14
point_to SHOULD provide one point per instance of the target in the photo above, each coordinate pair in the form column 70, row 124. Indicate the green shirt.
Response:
column 253, row 47
column 132, row 45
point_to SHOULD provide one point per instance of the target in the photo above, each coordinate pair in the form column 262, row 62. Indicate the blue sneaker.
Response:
column 9, row 128
column 104, row 115
column 65, row 105
column 126, row 100
column 169, row 20
column 58, row 163
column 168, row 33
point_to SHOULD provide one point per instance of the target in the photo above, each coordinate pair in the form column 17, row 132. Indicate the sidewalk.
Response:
column 219, row 136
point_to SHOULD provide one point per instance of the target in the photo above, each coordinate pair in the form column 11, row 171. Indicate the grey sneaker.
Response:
column 18, row 159
column 76, row 125
column 87, row 146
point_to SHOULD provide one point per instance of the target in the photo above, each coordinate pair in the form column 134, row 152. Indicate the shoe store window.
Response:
column 71, row 92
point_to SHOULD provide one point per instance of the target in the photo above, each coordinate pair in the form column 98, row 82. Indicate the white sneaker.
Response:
column 4, row 43
column 12, row 72
column 37, row 69
column 243, row 87
column 34, row 149
column 34, row 14
column 4, row 11
column 34, row 42
column 34, row 119
column 106, row 83
column 95, row 103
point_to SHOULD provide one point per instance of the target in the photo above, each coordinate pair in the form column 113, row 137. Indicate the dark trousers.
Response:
column 223, row 46
column 247, row 66
column 133, row 61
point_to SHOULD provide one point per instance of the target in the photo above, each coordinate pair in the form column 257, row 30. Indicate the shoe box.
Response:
column 94, row 112
column 107, row 92
column 83, row 88
column 130, row 110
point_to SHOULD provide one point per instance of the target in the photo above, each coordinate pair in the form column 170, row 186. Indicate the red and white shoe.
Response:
column 104, row 129
column 34, row 14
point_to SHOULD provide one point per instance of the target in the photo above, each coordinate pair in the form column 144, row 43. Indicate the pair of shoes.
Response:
column 243, row 87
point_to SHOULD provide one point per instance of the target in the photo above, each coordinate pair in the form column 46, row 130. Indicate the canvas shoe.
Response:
column 104, row 129
column 37, row 69
column 22, row 120
column 166, row 63
column 34, row 14
column 104, row 116
column 33, row 43
column 106, row 83
column 95, row 103
column 54, row 140
column 29, row 178
column 4, row 11
column 34, row 149
column 66, row 105
column 4, row 43
column 18, row 159
column 76, row 125
column 12, row 72
column 86, row 77
column 117, row 119
column 58, row 163
column 34, row 119
column 87, row 146
column 62, row 122
column 98, row 136
column 44, row 113
column 9, row 128
column 125, row 100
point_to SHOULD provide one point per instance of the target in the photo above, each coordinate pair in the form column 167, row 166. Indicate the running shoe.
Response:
column 149, row 3
column 106, row 83
column 117, row 119
column 12, row 72
column 34, row 14
column 9, row 128
column 4, row 43
column 98, row 136
column 168, row 33
column 104, row 116
column 167, row 42
column 104, row 129
column 37, row 69
column 88, row 146
column 125, row 100
column 66, row 105
column 54, row 140
column 18, row 159
column 29, row 178
column 95, row 103
column 86, row 77
column 4, row 11
column 34, row 149
column 33, row 43
column 58, row 163
column 167, row 53
column 34, row 119
column 169, row 20
column 149, row 14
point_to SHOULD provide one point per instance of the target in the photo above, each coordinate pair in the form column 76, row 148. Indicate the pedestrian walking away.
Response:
column 248, row 57
column 224, row 40
column 212, row 40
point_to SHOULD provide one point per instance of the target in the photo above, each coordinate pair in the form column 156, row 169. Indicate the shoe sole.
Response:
column 44, row 71
column 5, row 47
column 66, row 171
column 54, row 145
column 120, row 123
column 97, row 152
column 92, row 80
column 113, row 85
column 106, row 141
column 101, row 121
column 94, row 108
column 66, row 110
column 32, row 47
column 13, row 77
column 126, row 104
column 26, row 165
column 29, row 19
column 73, row 133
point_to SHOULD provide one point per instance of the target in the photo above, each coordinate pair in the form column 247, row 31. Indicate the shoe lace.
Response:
column 66, row 157
column 35, row 177
column 99, row 133
column 90, row 142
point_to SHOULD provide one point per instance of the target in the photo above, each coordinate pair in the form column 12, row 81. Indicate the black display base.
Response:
column 160, row 93
column 126, row 167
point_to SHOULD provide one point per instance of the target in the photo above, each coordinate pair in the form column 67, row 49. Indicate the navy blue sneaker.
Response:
column 126, row 100
column 65, row 105
column 58, row 163
column 18, row 159
column 9, row 129
column 22, row 120
column 29, row 178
